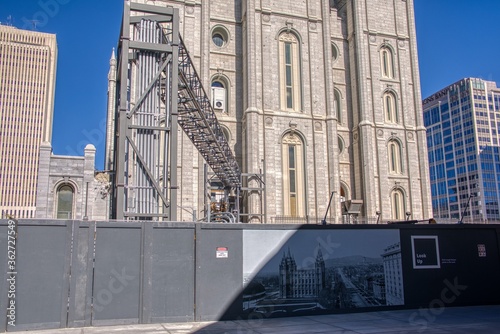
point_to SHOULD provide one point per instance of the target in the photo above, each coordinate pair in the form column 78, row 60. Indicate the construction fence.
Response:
column 58, row 274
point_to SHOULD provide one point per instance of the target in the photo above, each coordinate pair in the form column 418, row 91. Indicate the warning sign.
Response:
column 221, row 253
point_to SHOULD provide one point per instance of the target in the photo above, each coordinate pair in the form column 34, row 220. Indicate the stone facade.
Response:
column 89, row 199
column 327, row 103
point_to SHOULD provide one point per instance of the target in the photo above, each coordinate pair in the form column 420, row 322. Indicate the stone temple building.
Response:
column 322, row 96
column 301, row 283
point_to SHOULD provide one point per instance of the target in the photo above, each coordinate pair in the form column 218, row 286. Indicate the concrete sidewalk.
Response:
column 474, row 319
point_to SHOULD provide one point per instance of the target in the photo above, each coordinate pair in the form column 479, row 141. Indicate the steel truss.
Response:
column 157, row 89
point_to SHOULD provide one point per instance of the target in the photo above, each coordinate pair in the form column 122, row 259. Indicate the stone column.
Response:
column 88, row 182
column 43, row 191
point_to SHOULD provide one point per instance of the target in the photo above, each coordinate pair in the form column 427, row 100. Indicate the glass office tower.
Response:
column 463, row 125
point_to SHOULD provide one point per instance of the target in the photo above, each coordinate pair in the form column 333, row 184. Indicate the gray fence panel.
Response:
column 172, row 274
column 117, row 274
column 43, row 264
column 3, row 268
column 219, row 281
column 81, row 275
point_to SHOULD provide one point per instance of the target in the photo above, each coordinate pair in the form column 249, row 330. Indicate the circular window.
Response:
column 341, row 144
column 335, row 52
column 218, row 40
column 220, row 36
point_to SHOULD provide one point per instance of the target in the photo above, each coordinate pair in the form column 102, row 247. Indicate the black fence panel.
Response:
column 171, row 277
column 43, row 268
column 219, row 271
column 117, row 274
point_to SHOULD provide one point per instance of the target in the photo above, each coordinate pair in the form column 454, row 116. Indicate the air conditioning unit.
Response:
column 219, row 98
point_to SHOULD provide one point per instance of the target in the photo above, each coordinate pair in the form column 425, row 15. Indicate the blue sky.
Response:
column 456, row 39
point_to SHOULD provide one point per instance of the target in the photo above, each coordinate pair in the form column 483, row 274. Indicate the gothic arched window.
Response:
column 293, row 176
column 289, row 53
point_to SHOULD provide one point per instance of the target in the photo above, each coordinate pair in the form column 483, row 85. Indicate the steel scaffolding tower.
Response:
column 157, row 89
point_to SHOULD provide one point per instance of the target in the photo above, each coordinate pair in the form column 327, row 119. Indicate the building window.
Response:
column 289, row 72
column 335, row 52
column 218, row 39
column 387, row 62
column 65, row 202
column 395, row 164
column 226, row 133
column 398, row 207
column 293, row 176
column 337, row 103
column 219, row 96
column 340, row 144
column 220, row 36
column 343, row 193
column 390, row 108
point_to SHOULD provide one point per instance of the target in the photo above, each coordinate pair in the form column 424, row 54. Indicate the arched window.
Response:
column 395, row 163
column 398, row 205
column 390, row 108
column 65, row 202
column 337, row 100
column 219, row 96
column 289, row 53
column 343, row 193
column 293, row 176
column 387, row 62
column 226, row 133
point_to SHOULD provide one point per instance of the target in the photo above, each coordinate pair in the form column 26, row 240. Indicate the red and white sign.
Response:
column 221, row 253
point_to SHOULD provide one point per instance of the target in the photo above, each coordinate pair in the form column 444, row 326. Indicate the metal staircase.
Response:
column 158, row 88
column 197, row 119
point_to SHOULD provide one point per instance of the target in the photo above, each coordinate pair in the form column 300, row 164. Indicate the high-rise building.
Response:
column 27, row 85
column 393, row 276
column 324, row 96
column 463, row 126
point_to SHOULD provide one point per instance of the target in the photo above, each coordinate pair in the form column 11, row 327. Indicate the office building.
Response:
column 393, row 276
column 463, row 125
column 27, row 82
